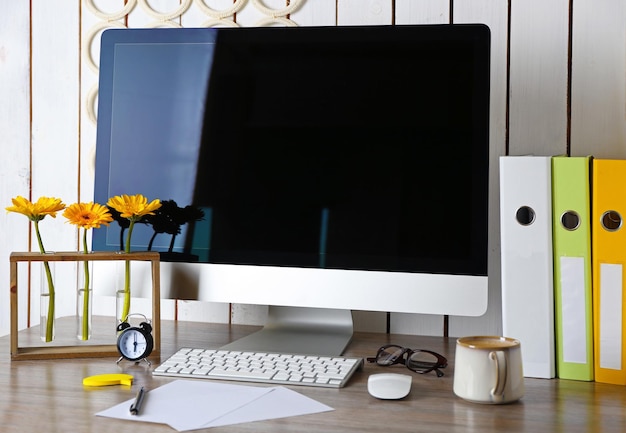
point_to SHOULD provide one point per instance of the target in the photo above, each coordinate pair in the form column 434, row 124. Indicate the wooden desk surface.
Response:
column 48, row 395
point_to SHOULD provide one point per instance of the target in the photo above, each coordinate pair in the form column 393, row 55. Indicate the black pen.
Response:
column 136, row 406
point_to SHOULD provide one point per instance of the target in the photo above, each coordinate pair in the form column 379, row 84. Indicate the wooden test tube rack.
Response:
column 90, row 350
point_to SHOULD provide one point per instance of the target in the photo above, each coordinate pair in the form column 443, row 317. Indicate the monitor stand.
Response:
column 300, row 330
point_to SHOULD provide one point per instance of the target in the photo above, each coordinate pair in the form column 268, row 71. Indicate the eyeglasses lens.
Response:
column 419, row 361
column 389, row 355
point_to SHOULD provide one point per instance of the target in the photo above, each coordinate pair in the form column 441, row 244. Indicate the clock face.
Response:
column 133, row 344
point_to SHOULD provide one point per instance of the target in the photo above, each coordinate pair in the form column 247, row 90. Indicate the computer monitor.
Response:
column 330, row 169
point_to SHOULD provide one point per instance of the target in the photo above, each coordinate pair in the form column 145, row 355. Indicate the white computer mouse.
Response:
column 389, row 386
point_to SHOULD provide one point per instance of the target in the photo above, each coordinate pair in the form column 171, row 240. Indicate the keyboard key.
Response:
column 241, row 374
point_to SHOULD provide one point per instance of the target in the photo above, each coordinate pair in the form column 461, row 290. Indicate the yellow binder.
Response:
column 571, row 230
column 609, row 258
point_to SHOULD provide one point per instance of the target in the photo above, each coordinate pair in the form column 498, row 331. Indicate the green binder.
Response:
column 571, row 233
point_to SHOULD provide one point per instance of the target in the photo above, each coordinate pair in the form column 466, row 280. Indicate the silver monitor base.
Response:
column 317, row 331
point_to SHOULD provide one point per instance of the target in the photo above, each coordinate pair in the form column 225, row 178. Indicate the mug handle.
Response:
column 497, row 392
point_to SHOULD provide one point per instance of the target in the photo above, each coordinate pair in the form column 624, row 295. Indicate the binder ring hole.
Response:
column 525, row 216
column 611, row 220
column 570, row 220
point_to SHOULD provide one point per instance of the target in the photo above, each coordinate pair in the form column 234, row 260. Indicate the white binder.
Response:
column 526, row 260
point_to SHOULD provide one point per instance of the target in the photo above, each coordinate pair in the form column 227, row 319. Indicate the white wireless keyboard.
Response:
column 275, row 368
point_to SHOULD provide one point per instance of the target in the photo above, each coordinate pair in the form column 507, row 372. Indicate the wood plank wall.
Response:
column 558, row 87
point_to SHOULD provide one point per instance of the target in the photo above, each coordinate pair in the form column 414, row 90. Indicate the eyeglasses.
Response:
column 418, row 360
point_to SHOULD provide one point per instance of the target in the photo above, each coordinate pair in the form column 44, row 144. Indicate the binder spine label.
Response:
column 611, row 316
column 573, row 309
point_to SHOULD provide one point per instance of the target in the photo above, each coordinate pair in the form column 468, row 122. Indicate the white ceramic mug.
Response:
column 488, row 369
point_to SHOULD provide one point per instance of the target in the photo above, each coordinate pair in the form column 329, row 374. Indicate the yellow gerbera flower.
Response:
column 133, row 207
column 38, row 210
column 88, row 215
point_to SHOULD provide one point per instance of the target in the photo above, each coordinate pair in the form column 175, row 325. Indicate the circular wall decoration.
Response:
column 185, row 4
column 91, row 34
column 219, row 14
column 267, row 22
column 92, row 97
column 130, row 4
column 163, row 24
column 220, row 22
column 293, row 5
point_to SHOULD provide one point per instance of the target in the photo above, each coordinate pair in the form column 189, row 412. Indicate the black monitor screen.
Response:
column 333, row 147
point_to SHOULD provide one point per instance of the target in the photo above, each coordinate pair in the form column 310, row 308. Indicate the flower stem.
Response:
column 50, row 316
column 85, row 322
column 126, row 307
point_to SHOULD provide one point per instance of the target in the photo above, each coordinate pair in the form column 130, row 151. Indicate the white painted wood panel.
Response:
column 93, row 23
column 198, row 311
column 495, row 15
column 15, row 144
column 307, row 13
column 413, row 12
column 254, row 14
column 63, row 132
column 538, row 77
column 364, row 12
column 422, row 12
column 315, row 13
column 598, row 84
column 55, row 69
